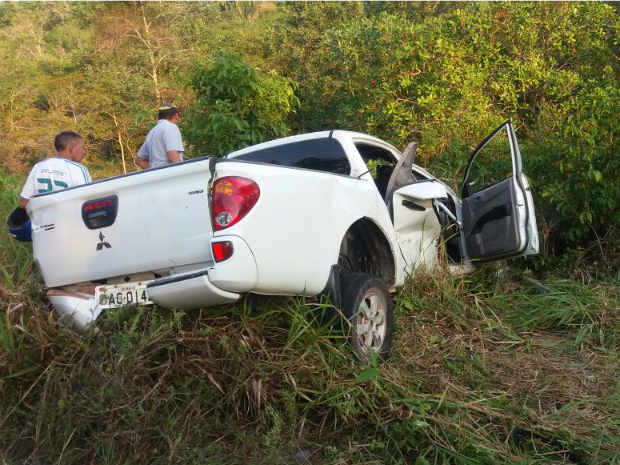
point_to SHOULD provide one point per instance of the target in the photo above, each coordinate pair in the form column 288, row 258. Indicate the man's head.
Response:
column 168, row 111
column 70, row 145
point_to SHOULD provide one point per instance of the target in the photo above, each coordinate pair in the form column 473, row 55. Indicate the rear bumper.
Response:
column 188, row 290
column 239, row 273
column 182, row 291
column 78, row 309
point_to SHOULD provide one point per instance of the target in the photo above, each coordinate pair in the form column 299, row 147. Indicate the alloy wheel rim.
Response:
column 371, row 321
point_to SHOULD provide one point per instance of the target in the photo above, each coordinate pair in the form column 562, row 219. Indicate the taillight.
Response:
column 233, row 198
column 222, row 250
column 97, row 205
column 100, row 213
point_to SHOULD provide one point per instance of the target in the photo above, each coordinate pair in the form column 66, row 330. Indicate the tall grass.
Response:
column 484, row 370
column 591, row 313
column 15, row 259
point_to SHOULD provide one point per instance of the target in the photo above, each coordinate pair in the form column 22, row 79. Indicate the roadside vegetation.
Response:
column 497, row 366
column 516, row 363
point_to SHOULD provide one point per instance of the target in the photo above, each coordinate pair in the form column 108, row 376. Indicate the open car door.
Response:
column 498, row 210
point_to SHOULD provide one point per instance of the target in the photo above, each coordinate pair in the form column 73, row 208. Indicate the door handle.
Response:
column 413, row 206
column 95, row 215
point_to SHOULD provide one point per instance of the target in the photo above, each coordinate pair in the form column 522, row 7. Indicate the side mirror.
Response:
column 423, row 191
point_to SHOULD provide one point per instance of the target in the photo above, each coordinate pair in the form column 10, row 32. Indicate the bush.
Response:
column 448, row 79
column 236, row 105
column 573, row 157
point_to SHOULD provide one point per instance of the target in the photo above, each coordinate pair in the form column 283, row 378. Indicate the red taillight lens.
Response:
column 233, row 198
column 96, row 205
column 222, row 250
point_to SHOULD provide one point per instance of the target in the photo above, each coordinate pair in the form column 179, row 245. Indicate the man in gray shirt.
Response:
column 163, row 144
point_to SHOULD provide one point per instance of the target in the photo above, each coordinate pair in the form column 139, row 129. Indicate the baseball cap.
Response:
column 167, row 106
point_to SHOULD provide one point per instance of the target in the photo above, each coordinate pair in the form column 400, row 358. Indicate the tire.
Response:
column 369, row 312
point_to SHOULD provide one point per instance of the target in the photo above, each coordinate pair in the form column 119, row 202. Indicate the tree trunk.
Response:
column 120, row 141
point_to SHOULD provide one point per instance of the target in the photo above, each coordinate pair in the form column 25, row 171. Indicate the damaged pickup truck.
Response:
column 332, row 213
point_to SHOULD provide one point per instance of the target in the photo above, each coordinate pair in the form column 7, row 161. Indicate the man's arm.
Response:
column 143, row 156
column 141, row 162
column 29, row 190
column 174, row 156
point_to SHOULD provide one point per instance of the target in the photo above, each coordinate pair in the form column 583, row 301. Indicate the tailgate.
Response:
column 162, row 221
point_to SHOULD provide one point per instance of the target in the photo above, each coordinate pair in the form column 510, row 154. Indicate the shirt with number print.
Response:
column 54, row 174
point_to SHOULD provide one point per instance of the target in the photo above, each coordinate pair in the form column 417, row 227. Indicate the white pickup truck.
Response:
column 336, row 213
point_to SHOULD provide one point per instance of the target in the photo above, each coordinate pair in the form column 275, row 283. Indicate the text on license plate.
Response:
column 122, row 294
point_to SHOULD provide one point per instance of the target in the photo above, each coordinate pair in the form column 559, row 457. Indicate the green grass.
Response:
column 484, row 370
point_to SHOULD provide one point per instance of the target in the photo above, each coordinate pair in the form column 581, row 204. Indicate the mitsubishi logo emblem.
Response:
column 103, row 243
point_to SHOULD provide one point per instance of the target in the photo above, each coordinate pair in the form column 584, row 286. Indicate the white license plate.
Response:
column 122, row 294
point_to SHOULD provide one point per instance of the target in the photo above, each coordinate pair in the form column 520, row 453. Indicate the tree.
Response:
column 296, row 47
column 236, row 105
column 248, row 10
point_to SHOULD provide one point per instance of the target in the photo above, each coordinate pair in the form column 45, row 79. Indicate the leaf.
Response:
column 21, row 372
column 367, row 375
column 239, row 124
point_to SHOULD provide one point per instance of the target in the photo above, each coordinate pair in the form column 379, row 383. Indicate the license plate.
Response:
column 114, row 296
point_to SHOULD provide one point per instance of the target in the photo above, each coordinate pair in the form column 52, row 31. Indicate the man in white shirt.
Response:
column 163, row 144
column 59, row 172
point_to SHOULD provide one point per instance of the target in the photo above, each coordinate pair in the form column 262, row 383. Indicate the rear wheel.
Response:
column 369, row 312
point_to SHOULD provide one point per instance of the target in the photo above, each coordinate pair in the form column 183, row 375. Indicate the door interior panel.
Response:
column 490, row 221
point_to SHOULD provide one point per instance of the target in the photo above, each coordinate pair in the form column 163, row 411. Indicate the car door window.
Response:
column 419, row 176
column 380, row 163
column 492, row 164
column 324, row 154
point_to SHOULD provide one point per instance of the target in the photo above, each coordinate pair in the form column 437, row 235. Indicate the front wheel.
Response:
column 369, row 313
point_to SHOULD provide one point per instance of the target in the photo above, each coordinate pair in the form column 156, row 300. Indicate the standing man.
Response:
column 59, row 172
column 163, row 144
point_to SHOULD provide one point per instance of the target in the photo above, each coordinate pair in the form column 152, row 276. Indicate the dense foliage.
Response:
column 444, row 74
column 236, row 106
